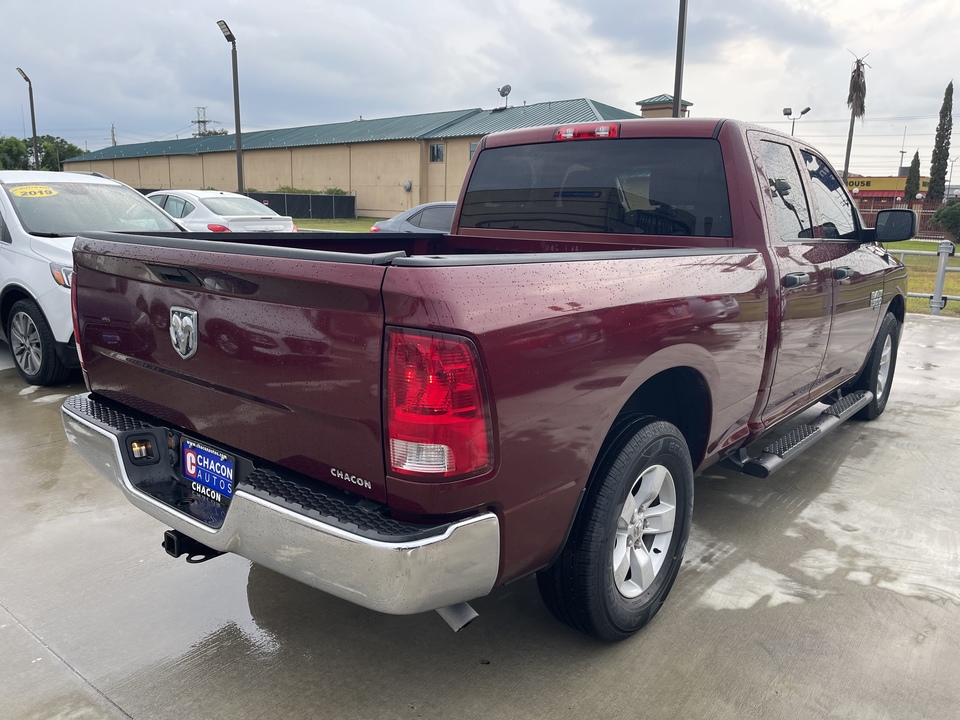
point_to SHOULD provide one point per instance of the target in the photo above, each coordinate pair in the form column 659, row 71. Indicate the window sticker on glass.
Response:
column 33, row 191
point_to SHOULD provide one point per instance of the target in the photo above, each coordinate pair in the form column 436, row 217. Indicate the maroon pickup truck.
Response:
column 409, row 421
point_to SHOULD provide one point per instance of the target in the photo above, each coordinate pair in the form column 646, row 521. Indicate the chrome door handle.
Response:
column 796, row 279
column 842, row 273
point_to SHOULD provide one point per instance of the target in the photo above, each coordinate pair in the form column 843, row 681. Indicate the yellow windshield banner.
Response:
column 33, row 191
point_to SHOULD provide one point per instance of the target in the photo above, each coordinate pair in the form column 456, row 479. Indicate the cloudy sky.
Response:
column 144, row 68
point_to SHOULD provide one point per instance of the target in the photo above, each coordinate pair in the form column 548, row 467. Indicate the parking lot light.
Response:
column 33, row 121
column 231, row 38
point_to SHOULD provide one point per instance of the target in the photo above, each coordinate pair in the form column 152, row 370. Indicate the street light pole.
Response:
column 33, row 121
column 789, row 111
column 678, row 74
column 225, row 29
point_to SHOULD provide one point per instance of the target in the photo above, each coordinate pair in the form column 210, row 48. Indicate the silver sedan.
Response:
column 434, row 217
column 220, row 211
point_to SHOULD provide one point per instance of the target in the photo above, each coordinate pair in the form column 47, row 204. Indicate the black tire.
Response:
column 587, row 588
column 877, row 374
column 33, row 346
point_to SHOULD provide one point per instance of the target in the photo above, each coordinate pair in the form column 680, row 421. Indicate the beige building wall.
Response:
column 662, row 110
column 436, row 174
column 220, row 171
column 155, row 172
column 378, row 171
column 458, row 162
column 375, row 172
column 186, row 171
column 268, row 170
column 321, row 167
column 126, row 171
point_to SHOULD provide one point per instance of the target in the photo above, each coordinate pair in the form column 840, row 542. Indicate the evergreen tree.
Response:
column 941, row 147
column 912, row 187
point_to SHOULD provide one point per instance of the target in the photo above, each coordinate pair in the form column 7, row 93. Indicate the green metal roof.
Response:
column 450, row 124
column 514, row 118
column 661, row 100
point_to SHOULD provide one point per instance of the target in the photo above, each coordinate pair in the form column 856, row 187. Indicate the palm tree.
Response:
column 856, row 102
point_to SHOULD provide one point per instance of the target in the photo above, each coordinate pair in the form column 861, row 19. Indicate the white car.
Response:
column 219, row 211
column 40, row 215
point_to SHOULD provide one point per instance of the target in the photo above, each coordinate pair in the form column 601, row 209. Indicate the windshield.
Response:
column 68, row 208
column 236, row 206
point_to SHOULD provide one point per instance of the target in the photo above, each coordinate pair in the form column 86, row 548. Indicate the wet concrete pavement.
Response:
column 831, row 590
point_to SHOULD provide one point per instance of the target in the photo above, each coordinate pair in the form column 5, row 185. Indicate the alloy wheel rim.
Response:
column 645, row 528
column 25, row 343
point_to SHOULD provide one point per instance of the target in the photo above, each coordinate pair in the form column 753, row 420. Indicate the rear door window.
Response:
column 437, row 218
column 786, row 188
column 650, row 186
column 834, row 210
column 175, row 206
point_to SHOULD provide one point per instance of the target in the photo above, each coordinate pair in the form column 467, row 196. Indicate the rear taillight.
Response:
column 438, row 422
column 296, row 229
column 594, row 130
column 76, row 320
column 375, row 228
column 213, row 227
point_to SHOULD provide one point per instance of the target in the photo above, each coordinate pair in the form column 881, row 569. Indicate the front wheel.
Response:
column 877, row 374
column 627, row 544
column 33, row 345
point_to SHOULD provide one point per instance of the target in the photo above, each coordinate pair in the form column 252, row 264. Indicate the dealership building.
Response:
column 389, row 164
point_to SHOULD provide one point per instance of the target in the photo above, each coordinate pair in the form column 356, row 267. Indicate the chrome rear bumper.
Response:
column 455, row 563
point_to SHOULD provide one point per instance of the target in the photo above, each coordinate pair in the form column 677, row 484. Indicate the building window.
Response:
column 436, row 153
column 473, row 149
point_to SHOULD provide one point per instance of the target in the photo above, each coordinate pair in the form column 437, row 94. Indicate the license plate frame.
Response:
column 210, row 472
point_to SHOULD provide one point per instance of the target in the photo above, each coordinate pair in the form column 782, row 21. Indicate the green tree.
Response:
column 912, row 186
column 210, row 133
column 947, row 217
column 54, row 150
column 941, row 147
column 13, row 154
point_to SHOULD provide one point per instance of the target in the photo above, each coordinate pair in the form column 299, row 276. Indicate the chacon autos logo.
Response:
column 183, row 331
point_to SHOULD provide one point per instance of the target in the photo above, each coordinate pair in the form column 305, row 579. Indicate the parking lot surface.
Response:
column 830, row 590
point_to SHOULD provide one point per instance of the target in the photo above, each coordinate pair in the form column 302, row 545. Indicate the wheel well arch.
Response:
column 11, row 295
column 898, row 308
column 678, row 395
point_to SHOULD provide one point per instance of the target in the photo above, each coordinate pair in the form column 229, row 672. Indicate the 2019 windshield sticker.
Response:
column 33, row 191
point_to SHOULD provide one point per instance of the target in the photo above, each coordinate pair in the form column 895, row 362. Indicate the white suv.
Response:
column 40, row 214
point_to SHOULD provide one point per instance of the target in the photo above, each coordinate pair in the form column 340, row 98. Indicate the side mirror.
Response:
column 781, row 186
column 896, row 225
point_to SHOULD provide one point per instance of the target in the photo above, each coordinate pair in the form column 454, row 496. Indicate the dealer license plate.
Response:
column 209, row 472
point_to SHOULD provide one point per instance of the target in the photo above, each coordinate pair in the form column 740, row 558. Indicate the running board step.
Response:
column 779, row 453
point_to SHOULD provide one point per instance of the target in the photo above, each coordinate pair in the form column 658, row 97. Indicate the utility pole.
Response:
column 113, row 134
column 902, row 151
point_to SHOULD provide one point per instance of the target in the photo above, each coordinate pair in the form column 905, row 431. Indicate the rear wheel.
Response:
column 33, row 345
column 627, row 545
column 877, row 374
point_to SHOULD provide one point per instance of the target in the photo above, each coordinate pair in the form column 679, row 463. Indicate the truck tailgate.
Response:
column 285, row 363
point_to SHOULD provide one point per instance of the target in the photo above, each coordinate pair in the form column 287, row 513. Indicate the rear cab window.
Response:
column 637, row 186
